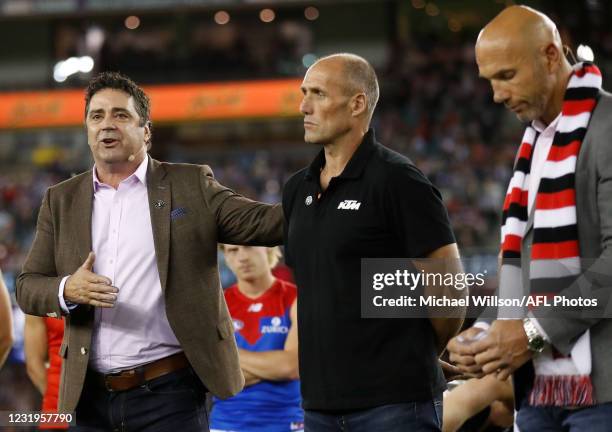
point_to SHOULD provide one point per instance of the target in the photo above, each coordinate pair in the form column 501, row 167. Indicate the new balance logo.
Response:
column 349, row 205
column 255, row 307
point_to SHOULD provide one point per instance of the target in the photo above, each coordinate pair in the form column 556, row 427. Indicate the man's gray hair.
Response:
column 360, row 77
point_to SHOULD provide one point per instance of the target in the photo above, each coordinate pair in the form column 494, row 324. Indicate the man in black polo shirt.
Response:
column 357, row 200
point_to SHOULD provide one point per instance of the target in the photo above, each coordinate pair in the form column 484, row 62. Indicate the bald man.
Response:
column 557, row 230
column 359, row 199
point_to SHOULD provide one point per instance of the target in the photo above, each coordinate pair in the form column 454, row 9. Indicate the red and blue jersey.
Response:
column 261, row 324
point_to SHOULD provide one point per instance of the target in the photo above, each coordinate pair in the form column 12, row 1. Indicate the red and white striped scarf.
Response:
column 555, row 252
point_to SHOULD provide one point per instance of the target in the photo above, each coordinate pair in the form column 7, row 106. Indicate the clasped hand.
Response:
column 499, row 351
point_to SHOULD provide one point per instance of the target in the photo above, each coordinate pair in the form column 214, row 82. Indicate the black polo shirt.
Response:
column 381, row 206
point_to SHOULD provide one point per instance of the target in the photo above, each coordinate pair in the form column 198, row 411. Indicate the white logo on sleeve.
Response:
column 238, row 325
column 349, row 205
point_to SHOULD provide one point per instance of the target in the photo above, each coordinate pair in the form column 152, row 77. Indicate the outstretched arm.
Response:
column 239, row 219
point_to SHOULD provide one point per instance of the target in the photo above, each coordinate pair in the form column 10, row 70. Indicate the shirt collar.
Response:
column 540, row 127
column 140, row 174
column 355, row 165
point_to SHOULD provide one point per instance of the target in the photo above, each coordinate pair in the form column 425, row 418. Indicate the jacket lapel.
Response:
column 82, row 207
column 160, row 204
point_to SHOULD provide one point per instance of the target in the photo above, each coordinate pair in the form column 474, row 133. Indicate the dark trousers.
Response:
column 597, row 418
column 412, row 416
column 173, row 402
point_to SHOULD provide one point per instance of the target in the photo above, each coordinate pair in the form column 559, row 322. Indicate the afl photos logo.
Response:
column 308, row 200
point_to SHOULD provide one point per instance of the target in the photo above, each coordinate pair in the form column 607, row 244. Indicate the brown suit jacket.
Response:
column 186, row 250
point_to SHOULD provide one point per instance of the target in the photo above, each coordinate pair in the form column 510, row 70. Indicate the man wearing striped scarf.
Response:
column 556, row 230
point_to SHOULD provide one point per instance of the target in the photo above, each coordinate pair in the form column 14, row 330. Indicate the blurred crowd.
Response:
column 188, row 48
column 20, row 197
column 211, row 52
column 433, row 108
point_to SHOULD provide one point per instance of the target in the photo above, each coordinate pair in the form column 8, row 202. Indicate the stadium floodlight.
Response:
column 65, row 68
column 222, row 17
column 86, row 64
column 132, row 22
column 311, row 13
column 267, row 15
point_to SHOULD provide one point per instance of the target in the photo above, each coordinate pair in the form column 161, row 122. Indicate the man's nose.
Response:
column 108, row 123
column 500, row 93
column 305, row 107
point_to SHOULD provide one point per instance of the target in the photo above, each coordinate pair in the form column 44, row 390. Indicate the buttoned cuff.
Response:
column 66, row 306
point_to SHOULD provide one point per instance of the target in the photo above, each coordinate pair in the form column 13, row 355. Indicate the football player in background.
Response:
column 264, row 312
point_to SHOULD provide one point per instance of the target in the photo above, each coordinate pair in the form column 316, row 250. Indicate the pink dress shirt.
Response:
column 136, row 330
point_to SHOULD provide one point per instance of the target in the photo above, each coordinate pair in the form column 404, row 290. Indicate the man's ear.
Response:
column 147, row 134
column 359, row 104
column 553, row 57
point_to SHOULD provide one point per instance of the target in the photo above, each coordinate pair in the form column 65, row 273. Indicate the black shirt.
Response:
column 381, row 206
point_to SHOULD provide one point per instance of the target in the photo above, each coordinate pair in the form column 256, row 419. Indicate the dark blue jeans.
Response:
column 173, row 402
column 401, row 417
column 597, row 418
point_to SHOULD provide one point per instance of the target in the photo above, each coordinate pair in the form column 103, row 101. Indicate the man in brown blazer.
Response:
column 128, row 252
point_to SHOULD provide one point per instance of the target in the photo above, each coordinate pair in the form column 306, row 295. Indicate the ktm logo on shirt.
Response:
column 349, row 205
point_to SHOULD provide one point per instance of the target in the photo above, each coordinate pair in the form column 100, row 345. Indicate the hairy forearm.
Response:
column 38, row 375
column 277, row 365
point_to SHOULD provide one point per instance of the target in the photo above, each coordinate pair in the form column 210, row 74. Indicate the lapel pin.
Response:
column 159, row 204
